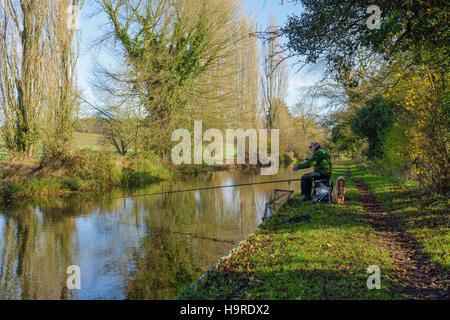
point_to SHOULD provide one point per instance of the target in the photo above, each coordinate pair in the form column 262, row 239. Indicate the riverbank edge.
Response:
column 29, row 187
column 222, row 259
column 84, row 171
column 190, row 291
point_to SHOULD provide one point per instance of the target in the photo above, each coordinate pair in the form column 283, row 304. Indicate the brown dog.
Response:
column 338, row 193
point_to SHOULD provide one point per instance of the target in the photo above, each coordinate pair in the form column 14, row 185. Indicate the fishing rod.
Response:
column 204, row 188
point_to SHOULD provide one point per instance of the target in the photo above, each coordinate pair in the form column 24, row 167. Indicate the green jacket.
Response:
column 321, row 161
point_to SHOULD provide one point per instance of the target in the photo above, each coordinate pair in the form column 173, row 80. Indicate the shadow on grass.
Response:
column 322, row 217
column 288, row 284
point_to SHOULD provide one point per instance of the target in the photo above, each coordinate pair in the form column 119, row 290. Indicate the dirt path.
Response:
column 414, row 272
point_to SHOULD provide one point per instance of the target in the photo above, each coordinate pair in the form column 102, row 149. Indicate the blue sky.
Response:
column 259, row 10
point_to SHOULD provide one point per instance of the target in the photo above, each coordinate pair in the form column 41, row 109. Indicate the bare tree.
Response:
column 176, row 54
column 61, row 95
column 22, row 42
column 228, row 94
column 274, row 79
column 37, row 72
column 305, row 123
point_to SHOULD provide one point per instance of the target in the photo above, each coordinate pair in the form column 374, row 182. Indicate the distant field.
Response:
column 91, row 141
column 94, row 142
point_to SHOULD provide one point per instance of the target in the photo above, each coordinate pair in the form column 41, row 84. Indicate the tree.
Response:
column 305, row 124
column 61, row 97
column 228, row 94
column 22, row 72
column 334, row 30
column 167, row 46
column 422, row 96
column 123, row 126
column 341, row 134
column 274, row 78
column 372, row 122
column 37, row 73
column 412, row 43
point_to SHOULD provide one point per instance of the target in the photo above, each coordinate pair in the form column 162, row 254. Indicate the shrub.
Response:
column 372, row 122
column 396, row 146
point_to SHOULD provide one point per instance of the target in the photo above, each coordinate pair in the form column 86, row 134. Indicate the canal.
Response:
column 127, row 247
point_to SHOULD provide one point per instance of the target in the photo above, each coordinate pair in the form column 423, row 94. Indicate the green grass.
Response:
column 325, row 258
column 3, row 151
column 424, row 217
column 94, row 142
column 88, row 139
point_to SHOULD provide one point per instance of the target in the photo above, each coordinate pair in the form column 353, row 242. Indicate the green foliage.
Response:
column 73, row 183
column 372, row 122
column 317, row 32
column 145, row 169
column 345, row 140
column 416, row 27
column 397, row 159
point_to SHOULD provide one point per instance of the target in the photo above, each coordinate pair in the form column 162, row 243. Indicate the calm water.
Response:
column 128, row 247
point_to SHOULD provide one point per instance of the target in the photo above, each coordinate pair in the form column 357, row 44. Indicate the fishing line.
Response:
column 201, row 189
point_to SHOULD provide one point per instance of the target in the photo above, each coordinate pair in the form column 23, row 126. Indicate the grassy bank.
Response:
column 327, row 256
column 424, row 217
column 81, row 172
column 92, row 166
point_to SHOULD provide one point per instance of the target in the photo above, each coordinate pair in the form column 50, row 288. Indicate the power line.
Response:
column 97, row 109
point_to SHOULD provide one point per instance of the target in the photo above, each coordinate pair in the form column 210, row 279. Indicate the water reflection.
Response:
column 128, row 247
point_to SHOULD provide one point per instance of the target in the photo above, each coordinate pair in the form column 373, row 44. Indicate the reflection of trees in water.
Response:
column 35, row 256
column 189, row 233
column 39, row 243
column 161, row 265
column 165, row 259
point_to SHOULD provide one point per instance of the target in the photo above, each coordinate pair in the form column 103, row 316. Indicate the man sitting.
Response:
column 321, row 161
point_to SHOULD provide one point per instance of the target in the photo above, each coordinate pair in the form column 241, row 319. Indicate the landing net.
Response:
column 278, row 199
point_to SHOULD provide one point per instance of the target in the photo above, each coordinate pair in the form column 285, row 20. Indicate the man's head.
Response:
column 314, row 146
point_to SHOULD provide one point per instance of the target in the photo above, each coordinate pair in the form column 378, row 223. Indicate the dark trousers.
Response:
column 307, row 182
